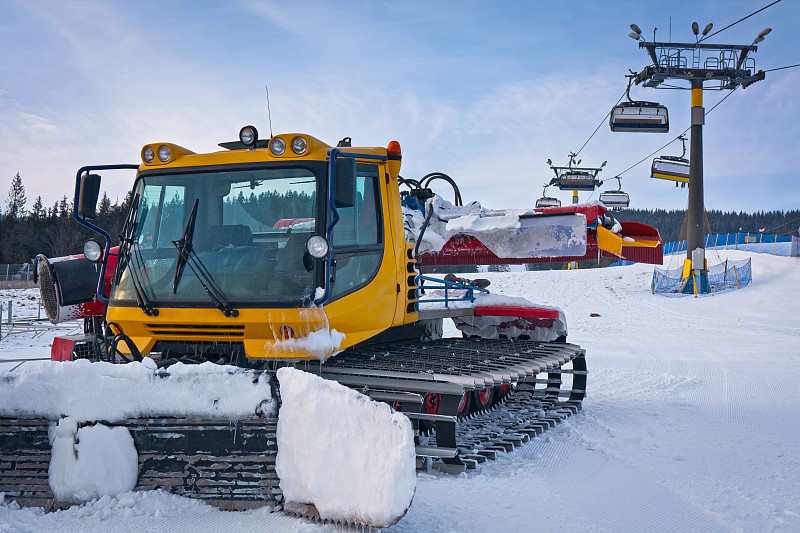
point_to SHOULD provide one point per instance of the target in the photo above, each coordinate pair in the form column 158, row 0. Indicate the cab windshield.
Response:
column 250, row 232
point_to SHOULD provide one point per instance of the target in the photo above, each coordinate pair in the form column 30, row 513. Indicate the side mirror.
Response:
column 87, row 198
column 344, row 182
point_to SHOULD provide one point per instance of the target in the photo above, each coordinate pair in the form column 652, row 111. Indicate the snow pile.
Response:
column 91, row 462
column 71, row 389
column 507, row 220
column 350, row 457
column 312, row 336
column 511, row 233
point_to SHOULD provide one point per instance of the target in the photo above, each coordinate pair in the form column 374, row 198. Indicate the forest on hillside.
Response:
column 28, row 231
column 669, row 223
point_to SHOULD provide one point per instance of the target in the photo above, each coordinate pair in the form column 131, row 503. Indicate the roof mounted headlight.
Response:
column 249, row 136
column 277, row 146
column 148, row 154
column 299, row 145
column 92, row 251
column 164, row 153
column 317, row 246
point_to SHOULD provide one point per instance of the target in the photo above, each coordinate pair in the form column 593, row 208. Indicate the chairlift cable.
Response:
column 601, row 123
column 738, row 21
column 781, row 68
column 781, row 225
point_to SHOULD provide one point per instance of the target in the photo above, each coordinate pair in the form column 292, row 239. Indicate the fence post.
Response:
column 775, row 252
column 10, row 312
column 737, row 277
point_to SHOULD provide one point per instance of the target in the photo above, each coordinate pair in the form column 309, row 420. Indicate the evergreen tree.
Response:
column 105, row 206
column 16, row 198
column 63, row 207
column 38, row 212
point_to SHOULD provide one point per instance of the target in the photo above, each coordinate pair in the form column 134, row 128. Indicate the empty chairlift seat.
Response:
column 671, row 168
column 576, row 181
column 615, row 199
column 548, row 201
column 639, row 117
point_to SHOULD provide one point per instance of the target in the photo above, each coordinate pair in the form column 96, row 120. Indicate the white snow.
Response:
column 60, row 389
column 511, row 233
column 475, row 223
column 315, row 339
column 92, row 462
column 351, row 457
column 691, row 423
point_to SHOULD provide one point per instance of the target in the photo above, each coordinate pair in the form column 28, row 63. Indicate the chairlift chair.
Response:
column 547, row 201
column 577, row 180
column 672, row 168
column 615, row 199
column 638, row 117
column 618, row 199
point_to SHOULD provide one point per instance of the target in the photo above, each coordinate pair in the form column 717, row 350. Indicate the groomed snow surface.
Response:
column 691, row 423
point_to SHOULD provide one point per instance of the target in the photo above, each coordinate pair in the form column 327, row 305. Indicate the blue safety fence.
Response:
column 622, row 263
column 783, row 245
column 726, row 276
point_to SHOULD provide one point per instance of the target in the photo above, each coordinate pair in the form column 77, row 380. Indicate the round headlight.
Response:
column 148, row 154
column 92, row 251
column 277, row 145
column 164, row 153
column 317, row 246
column 299, row 145
column 248, row 135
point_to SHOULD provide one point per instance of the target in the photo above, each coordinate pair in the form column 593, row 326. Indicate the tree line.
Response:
column 672, row 227
column 50, row 230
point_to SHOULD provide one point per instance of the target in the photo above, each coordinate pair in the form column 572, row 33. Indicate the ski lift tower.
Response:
column 709, row 66
column 575, row 178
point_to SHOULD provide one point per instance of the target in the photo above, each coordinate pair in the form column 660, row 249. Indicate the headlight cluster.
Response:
column 149, row 154
column 278, row 146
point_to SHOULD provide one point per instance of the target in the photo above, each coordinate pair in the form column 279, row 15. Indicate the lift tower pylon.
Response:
column 704, row 66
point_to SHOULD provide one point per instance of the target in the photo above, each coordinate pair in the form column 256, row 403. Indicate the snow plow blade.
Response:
column 224, row 450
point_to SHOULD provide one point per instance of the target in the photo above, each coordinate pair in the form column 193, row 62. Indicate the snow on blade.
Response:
column 312, row 336
column 511, row 233
column 91, row 462
column 89, row 391
column 350, row 457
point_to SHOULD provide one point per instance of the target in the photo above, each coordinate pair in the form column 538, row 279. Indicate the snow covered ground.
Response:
column 691, row 423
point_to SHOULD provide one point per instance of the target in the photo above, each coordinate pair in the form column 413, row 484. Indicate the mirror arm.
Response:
column 83, row 222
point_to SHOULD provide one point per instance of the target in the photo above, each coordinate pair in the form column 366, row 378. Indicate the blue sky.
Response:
column 483, row 91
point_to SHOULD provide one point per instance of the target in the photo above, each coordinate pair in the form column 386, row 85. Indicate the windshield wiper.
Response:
column 125, row 255
column 125, row 239
column 187, row 255
column 141, row 294
column 184, row 246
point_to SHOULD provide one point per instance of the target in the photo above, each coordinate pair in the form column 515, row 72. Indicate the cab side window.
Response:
column 358, row 236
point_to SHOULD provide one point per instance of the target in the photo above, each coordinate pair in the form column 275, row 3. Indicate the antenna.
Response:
column 269, row 113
